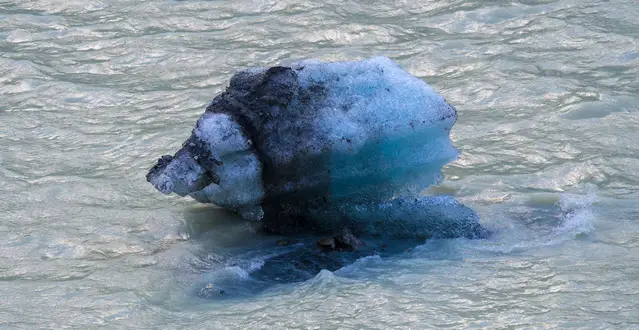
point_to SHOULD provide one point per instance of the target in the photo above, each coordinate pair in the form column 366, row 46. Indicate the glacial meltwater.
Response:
column 547, row 100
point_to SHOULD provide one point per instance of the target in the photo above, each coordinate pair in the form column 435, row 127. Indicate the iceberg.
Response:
column 319, row 146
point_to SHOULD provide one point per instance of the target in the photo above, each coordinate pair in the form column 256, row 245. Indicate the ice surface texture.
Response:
column 322, row 145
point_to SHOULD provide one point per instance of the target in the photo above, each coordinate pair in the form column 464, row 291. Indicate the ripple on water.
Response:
column 92, row 90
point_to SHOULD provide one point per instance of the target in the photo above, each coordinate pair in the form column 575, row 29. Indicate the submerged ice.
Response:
column 321, row 146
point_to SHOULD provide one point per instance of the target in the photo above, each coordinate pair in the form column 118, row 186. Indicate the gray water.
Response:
column 91, row 92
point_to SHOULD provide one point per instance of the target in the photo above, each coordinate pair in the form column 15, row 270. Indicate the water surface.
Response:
column 93, row 91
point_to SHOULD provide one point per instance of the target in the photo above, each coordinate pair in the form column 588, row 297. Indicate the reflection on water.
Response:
column 237, row 258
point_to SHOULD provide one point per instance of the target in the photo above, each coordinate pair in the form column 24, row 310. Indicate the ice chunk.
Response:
column 434, row 216
column 216, row 165
column 282, row 141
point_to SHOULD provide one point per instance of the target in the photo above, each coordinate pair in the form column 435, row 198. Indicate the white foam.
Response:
column 579, row 216
column 235, row 272
column 359, row 264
